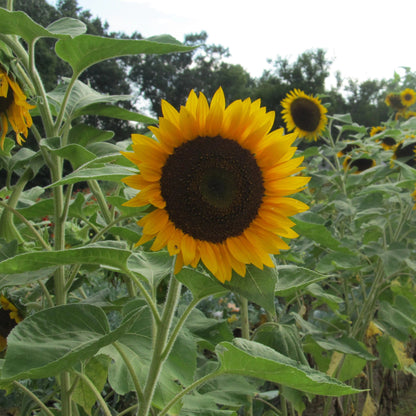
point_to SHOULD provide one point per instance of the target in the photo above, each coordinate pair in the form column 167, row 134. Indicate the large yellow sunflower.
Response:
column 305, row 114
column 219, row 182
column 408, row 97
column 13, row 109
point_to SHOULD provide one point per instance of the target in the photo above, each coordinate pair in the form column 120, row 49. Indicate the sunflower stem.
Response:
column 34, row 398
column 161, row 337
column 130, row 368
column 98, row 193
column 7, row 228
column 245, row 334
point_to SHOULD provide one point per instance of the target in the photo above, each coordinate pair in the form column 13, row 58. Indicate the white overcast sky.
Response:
column 365, row 38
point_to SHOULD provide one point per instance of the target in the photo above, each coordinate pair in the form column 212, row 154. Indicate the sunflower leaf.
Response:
column 200, row 284
column 86, row 50
column 48, row 342
column 20, row 24
column 252, row 359
column 257, row 286
column 31, row 266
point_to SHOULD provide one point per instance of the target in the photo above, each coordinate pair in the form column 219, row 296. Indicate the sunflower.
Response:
column 394, row 101
column 387, row 143
column 376, row 130
column 413, row 195
column 218, row 180
column 408, row 97
column 305, row 114
column 360, row 165
column 347, row 149
column 14, row 109
column 8, row 320
column 406, row 153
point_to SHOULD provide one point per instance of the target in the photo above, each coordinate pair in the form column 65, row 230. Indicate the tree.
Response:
column 308, row 73
column 171, row 77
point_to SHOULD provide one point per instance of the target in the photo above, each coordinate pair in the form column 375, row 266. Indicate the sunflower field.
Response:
column 209, row 265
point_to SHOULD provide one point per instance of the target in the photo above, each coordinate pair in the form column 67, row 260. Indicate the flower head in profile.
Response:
column 408, row 97
column 14, row 109
column 376, row 130
column 394, row 101
column 358, row 165
column 218, row 180
column 387, row 143
column 347, row 149
column 406, row 153
column 9, row 318
column 304, row 114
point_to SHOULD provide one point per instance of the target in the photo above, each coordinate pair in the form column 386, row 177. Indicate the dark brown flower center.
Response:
column 6, row 101
column 305, row 113
column 362, row 164
column 213, row 188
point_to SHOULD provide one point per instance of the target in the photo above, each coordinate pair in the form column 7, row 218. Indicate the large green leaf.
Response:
column 252, row 359
column 108, row 110
column 86, row 50
column 81, row 96
column 292, row 278
column 102, row 253
column 57, row 338
column 20, row 24
column 200, row 284
column 257, row 286
column 108, row 172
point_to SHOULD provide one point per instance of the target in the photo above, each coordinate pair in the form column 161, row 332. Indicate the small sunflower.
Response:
column 347, row 149
column 219, row 181
column 9, row 318
column 14, row 109
column 387, row 143
column 413, row 195
column 375, row 130
column 408, row 97
column 305, row 114
column 406, row 153
column 394, row 101
column 360, row 165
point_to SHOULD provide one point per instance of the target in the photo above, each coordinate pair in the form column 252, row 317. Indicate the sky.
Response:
column 365, row 39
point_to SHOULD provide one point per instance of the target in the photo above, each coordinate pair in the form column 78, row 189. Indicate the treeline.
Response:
column 172, row 76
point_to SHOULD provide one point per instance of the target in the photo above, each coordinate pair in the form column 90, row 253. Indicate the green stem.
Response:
column 162, row 333
column 34, row 398
column 61, row 114
column 179, row 326
column 97, row 394
column 7, row 228
column 245, row 334
column 275, row 409
column 188, row 389
column 146, row 295
column 44, row 244
column 133, row 375
column 98, row 193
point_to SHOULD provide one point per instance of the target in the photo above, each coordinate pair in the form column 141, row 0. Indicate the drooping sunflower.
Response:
column 358, row 165
column 387, row 143
column 219, row 182
column 376, row 130
column 394, row 101
column 405, row 153
column 9, row 318
column 14, row 109
column 408, row 97
column 304, row 114
column 347, row 149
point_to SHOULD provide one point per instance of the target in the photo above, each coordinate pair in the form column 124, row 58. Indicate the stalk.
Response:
column 162, row 333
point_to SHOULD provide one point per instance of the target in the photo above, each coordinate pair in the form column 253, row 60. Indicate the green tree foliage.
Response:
column 172, row 76
column 308, row 73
